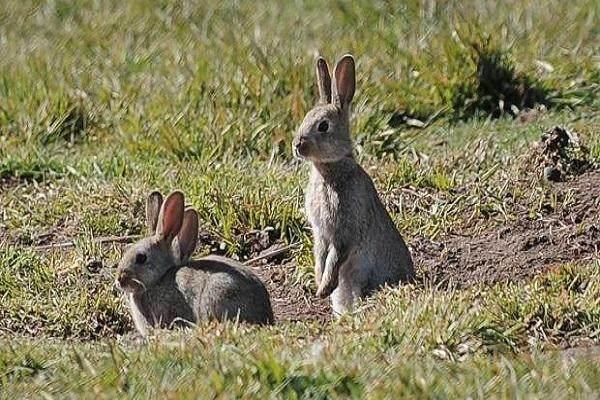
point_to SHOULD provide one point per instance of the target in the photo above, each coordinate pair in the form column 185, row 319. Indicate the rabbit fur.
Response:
column 357, row 247
column 164, row 288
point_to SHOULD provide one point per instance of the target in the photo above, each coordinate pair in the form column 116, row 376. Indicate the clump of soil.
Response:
column 560, row 155
column 523, row 248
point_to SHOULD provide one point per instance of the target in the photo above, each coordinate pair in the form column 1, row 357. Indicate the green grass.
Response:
column 101, row 102
column 424, row 343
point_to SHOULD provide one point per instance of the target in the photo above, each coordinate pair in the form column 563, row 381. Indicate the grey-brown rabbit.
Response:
column 164, row 288
column 357, row 247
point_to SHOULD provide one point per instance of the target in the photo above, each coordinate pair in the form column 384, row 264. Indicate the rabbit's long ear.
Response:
column 324, row 81
column 153, row 204
column 170, row 217
column 344, row 82
column 185, row 242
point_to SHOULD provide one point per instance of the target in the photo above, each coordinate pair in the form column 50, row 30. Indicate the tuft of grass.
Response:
column 495, row 88
column 34, row 168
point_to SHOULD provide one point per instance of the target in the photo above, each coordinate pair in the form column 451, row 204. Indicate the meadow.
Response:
column 455, row 117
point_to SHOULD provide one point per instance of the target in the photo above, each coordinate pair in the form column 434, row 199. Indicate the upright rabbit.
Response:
column 164, row 288
column 357, row 247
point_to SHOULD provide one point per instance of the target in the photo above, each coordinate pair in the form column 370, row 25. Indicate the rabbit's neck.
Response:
column 335, row 171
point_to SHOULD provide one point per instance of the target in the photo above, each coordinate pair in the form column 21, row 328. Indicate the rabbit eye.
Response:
column 323, row 126
column 140, row 258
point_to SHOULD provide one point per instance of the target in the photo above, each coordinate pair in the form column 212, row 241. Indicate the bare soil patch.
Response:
column 291, row 302
column 520, row 249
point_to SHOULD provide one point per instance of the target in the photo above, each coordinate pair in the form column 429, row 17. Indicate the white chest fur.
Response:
column 321, row 203
column 138, row 319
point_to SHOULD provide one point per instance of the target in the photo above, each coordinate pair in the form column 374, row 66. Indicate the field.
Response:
column 479, row 122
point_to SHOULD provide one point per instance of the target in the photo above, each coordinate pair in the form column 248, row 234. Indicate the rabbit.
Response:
column 357, row 248
column 164, row 288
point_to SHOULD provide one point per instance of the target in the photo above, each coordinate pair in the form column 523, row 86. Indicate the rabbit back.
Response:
column 210, row 288
column 220, row 288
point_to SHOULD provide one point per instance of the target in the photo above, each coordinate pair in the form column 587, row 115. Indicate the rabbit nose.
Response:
column 300, row 145
column 123, row 277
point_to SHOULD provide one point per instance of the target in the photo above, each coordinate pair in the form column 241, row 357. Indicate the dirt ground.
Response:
column 520, row 249
column 291, row 302
column 483, row 252
column 506, row 253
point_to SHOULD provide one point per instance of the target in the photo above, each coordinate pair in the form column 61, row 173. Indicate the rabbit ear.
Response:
column 324, row 81
column 170, row 217
column 185, row 242
column 153, row 203
column 344, row 82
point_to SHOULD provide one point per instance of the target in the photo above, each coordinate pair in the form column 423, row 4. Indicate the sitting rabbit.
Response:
column 165, row 288
column 357, row 248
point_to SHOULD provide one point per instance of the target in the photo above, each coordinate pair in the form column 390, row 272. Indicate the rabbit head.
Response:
column 324, row 135
column 174, row 232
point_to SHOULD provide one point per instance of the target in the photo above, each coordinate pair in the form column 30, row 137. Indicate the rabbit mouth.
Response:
column 298, row 155
column 301, row 151
column 131, row 285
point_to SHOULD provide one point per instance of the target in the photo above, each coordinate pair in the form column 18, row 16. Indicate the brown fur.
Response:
column 357, row 247
column 164, row 289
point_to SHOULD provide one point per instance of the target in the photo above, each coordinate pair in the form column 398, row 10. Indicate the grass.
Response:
column 425, row 343
column 102, row 101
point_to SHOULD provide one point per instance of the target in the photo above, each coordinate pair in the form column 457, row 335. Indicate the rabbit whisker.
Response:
column 139, row 283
